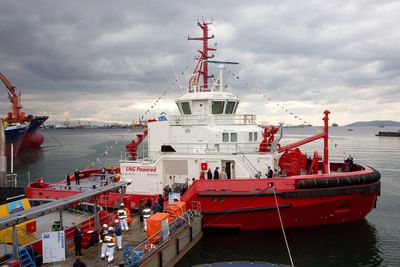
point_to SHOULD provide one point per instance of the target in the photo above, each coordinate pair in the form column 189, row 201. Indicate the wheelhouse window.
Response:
column 225, row 137
column 255, row 136
column 186, row 108
column 233, row 137
column 250, row 137
column 236, row 106
column 218, row 107
column 230, row 106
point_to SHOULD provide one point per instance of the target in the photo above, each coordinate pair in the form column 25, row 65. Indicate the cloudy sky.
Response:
column 111, row 60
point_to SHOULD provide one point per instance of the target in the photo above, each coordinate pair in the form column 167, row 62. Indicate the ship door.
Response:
column 230, row 168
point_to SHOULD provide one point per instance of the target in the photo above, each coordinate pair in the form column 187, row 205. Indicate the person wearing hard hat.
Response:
column 122, row 217
column 146, row 215
column 118, row 233
column 109, row 239
column 103, row 233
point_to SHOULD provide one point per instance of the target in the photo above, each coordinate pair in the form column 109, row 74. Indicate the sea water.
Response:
column 374, row 241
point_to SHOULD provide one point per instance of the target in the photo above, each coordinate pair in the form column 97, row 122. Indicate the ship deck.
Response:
column 84, row 184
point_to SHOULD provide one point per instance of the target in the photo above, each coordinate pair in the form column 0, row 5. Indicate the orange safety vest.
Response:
column 128, row 215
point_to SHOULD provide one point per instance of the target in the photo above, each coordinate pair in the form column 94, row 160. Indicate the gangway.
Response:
column 58, row 205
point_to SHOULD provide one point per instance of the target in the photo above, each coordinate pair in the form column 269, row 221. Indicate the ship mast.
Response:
column 201, row 68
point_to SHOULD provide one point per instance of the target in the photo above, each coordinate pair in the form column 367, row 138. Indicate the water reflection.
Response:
column 350, row 244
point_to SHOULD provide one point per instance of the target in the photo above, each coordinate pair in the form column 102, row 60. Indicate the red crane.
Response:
column 15, row 100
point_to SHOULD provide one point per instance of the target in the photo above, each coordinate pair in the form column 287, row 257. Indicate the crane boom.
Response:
column 15, row 100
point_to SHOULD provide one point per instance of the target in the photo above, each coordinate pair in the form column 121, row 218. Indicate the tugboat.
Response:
column 238, row 171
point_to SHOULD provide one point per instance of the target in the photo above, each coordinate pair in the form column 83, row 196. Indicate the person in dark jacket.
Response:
column 160, row 201
column 78, row 241
column 209, row 174
column 77, row 175
column 216, row 174
column 118, row 233
column 149, row 203
column 156, row 208
column 68, row 179
column 141, row 208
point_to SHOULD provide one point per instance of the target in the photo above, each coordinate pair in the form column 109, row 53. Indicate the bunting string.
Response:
column 101, row 157
column 268, row 98
column 169, row 88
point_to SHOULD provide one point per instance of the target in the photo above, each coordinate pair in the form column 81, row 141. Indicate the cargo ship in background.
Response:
column 261, row 185
column 31, row 138
column 14, row 136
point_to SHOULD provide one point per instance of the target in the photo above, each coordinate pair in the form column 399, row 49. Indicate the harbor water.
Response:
column 374, row 241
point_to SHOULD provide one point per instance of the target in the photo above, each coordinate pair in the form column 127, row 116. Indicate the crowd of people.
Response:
column 216, row 175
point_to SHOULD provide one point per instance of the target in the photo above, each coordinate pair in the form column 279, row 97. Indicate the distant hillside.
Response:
column 374, row 123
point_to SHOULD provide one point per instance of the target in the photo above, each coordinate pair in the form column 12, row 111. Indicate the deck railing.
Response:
column 133, row 256
column 214, row 119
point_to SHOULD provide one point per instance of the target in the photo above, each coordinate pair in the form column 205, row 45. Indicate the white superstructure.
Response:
column 207, row 134
column 207, row 131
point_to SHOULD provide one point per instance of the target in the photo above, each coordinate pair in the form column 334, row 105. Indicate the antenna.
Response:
column 201, row 68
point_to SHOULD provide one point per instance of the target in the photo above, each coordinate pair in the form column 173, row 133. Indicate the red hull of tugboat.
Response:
column 250, row 204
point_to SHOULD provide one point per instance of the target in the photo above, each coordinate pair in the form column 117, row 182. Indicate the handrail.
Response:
column 25, row 233
column 174, row 228
column 246, row 160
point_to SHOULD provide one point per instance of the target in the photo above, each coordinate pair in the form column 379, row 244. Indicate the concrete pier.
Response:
column 91, row 256
column 165, row 253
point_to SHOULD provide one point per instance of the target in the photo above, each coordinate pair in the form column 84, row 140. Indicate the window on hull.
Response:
column 225, row 137
column 233, row 137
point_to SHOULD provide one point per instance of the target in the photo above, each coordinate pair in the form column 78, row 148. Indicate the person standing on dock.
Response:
column 103, row 233
column 118, row 233
column 146, row 216
column 109, row 239
column 78, row 241
column 141, row 208
column 160, row 201
column 123, row 217
column 77, row 177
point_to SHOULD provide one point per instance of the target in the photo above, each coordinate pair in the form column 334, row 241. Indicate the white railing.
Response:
column 213, row 120
column 198, row 148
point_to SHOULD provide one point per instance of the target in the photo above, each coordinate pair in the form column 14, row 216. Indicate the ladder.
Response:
column 25, row 259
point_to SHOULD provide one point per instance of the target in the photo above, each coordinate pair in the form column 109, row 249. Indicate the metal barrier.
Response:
column 147, row 248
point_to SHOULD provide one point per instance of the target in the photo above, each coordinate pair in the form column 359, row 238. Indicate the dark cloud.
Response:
column 70, row 57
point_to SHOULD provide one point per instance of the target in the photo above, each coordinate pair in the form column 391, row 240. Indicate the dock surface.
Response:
column 91, row 256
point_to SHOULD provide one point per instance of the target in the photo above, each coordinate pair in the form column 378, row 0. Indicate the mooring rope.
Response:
column 283, row 228
column 55, row 139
